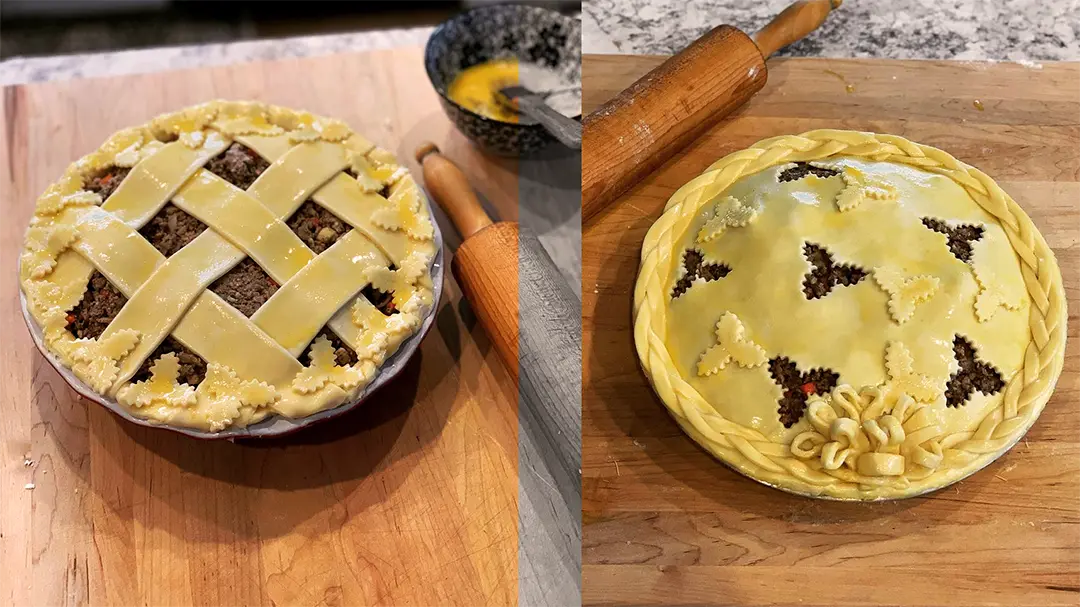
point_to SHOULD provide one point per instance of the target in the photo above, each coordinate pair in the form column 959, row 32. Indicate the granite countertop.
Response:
column 1020, row 30
column 20, row 70
column 1017, row 30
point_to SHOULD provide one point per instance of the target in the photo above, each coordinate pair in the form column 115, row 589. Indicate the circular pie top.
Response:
column 229, row 261
column 849, row 315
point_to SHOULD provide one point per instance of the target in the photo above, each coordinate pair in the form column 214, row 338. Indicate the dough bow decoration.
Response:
column 873, row 432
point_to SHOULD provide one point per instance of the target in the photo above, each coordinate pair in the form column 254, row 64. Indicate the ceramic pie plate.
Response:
column 849, row 316
column 274, row 425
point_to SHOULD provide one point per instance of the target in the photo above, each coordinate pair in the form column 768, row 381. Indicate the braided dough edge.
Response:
column 771, row 463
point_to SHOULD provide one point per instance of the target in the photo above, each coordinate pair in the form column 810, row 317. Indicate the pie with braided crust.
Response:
column 229, row 261
column 849, row 315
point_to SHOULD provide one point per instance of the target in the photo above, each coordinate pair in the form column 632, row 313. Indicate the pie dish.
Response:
column 849, row 315
column 228, row 262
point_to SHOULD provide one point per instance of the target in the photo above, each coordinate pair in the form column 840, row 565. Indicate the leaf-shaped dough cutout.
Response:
column 731, row 345
column 95, row 360
column 324, row 369
column 905, row 293
column 222, row 395
column 399, row 282
column 402, row 214
column 729, row 212
column 860, row 187
column 162, row 387
column 991, row 296
column 901, row 369
column 43, row 245
column 54, row 203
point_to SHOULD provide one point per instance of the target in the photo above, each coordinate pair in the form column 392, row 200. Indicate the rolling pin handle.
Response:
column 793, row 24
column 451, row 190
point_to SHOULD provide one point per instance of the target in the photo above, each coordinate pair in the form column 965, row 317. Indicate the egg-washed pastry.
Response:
column 849, row 315
column 229, row 261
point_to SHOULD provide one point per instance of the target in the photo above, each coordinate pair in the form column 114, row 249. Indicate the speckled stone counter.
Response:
column 1016, row 30
column 38, row 69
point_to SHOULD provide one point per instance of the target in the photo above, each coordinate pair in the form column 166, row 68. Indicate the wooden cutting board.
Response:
column 664, row 523
column 411, row 499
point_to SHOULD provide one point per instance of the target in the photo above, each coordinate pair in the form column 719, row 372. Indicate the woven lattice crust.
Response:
column 258, row 366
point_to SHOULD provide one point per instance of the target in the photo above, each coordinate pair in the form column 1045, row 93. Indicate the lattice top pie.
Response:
column 229, row 261
column 849, row 315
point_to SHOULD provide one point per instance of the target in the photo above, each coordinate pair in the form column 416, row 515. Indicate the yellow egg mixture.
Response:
column 476, row 88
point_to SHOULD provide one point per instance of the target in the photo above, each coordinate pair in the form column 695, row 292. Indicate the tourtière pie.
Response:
column 849, row 315
column 227, row 262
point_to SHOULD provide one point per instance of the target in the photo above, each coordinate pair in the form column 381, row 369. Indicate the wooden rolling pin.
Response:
column 534, row 321
column 640, row 128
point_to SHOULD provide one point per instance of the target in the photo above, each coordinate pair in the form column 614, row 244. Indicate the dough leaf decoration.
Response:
column 325, row 370
column 729, row 212
column 95, row 361
column 905, row 293
column 399, row 282
column 401, row 213
column 222, row 395
column 860, row 187
column 53, row 202
column 43, row 245
column 731, row 345
column 902, row 376
column 375, row 170
column 991, row 296
column 161, row 389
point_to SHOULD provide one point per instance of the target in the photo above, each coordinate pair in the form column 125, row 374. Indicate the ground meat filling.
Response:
column 100, row 304
column 826, row 274
column 959, row 238
column 171, row 229
column 973, row 375
column 239, row 165
column 106, row 181
column 798, row 387
column 343, row 354
column 802, row 169
column 192, row 366
column 246, row 287
column 695, row 265
column 317, row 227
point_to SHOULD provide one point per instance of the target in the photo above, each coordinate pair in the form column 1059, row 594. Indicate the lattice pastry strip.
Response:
column 293, row 316
column 219, row 254
column 154, row 181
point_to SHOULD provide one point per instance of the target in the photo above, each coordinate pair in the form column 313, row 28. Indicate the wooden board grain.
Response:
column 412, row 499
column 664, row 523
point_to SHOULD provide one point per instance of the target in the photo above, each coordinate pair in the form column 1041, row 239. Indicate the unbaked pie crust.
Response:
column 878, row 320
column 253, row 364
